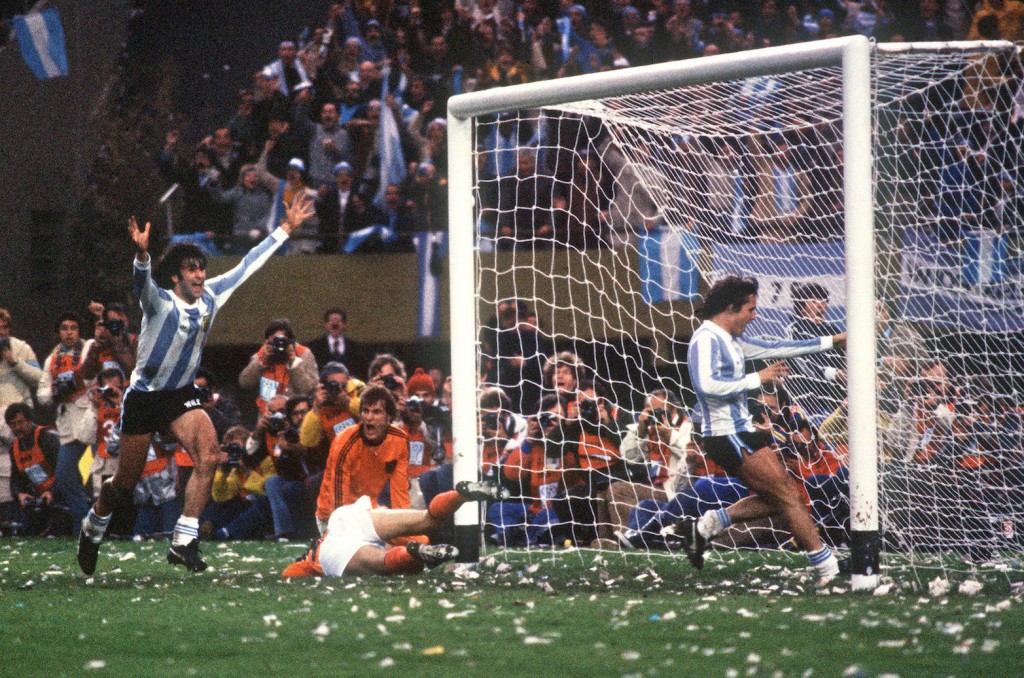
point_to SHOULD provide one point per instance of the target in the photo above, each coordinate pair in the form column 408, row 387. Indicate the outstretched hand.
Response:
column 139, row 237
column 298, row 211
column 775, row 372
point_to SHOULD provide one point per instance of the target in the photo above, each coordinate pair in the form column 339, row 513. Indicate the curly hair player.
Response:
column 178, row 309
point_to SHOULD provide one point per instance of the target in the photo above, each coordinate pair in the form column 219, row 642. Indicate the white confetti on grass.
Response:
column 95, row 665
column 536, row 640
column 971, row 587
column 322, row 631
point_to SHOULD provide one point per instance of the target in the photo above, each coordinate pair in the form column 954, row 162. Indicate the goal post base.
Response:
column 864, row 559
column 467, row 540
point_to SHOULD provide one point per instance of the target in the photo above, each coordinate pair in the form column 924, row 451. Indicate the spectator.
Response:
column 654, row 450
column 224, row 156
column 106, row 399
column 289, row 71
column 221, row 408
column 19, row 368
column 113, row 344
column 240, row 508
column 155, row 496
column 329, row 145
column 816, row 381
column 334, row 345
column 424, row 454
column 335, row 406
column 525, row 219
column 201, row 217
column 286, row 490
column 282, row 366
column 34, row 454
column 62, row 387
column 338, row 213
column 1007, row 16
column 303, row 240
column 251, row 202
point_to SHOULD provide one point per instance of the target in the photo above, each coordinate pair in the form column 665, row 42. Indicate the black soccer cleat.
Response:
column 481, row 491
column 88, row 552
column 187, row 555
column 432, row 555
column 692, row 540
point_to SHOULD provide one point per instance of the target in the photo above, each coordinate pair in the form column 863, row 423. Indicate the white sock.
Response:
column 713, row 523
column 185, row 530
column 95, row 526
column 824, row 561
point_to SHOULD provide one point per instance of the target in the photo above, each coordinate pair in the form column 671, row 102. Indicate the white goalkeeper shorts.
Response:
column 348, row 529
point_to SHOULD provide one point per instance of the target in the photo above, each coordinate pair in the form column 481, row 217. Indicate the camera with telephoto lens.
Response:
column 114, row 327
column 332, row 388
column 589, row 411
column 414, row 404
column 279, row 345
column 63, row 387
column 546, row 419
column 277, row 422
column 35, row 504
column 658, row 415
column 107, row 391
column 438, row 416
column 234, row 452
column 291, row 436
column 390, row 382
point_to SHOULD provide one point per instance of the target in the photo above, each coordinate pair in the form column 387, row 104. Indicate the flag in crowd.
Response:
column 392, row 161
column 668, row 265
column 41, row 38
column 431, row 251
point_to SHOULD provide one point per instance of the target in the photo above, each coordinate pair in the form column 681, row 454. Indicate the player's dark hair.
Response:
column 14, row 409
column 336, row 309
column 279, row 325
column 69, row 315
column 378, row 394
column 727, row 294
column 173, row 258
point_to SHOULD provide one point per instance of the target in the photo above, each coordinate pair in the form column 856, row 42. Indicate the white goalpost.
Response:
column 588, row 215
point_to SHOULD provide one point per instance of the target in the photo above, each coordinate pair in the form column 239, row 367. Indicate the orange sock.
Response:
column 399, row 561
column 445, row 505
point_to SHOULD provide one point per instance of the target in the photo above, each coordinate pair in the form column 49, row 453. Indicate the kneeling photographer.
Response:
column 240, row 508
column 282, row 367
column 34, row 454
column 277, row 436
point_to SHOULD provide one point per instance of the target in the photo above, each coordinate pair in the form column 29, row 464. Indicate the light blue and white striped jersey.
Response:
column 715, row 361
column 173, row 332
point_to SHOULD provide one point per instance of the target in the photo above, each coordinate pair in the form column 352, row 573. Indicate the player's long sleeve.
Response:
column 761, row 349
column 223, row 286
column 712, row 369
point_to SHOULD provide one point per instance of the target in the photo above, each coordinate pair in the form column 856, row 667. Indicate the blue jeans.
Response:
column 69, row 482
column 286, row 498
column 241, row 518
column 707, row 493
column 515, row 526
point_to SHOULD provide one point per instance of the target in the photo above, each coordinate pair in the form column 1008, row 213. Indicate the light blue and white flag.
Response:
column 668, row 265
column 41, row 38
column 431, row 254
column 392, row 160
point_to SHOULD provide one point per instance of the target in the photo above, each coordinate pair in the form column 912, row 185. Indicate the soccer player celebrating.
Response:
column 357, row 535
column 715, row 359
column 162, row 396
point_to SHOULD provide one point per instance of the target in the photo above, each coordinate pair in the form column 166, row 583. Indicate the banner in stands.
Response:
column 668, row 265
column 972, row 285
column 778, row 268
column 41, row 39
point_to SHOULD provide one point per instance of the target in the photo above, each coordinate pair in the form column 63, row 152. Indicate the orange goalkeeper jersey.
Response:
column 355, row 469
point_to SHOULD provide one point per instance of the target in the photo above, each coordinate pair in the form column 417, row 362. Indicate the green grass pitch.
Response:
column 568, row 613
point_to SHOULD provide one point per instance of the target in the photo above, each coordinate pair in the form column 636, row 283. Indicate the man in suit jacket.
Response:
column 334, row 346
column 337, row 211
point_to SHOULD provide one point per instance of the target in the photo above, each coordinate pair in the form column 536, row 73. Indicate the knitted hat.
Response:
column 420, row 381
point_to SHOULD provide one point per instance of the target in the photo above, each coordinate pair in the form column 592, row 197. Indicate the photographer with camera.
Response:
column 277, row 435
column 113, row 345
column 388, row 371
column 155, row 496
column 63, row 387
column 426, row 443
column 534, row 475
column 240, row 508
column 106, row 399
column 335, row 408
column 19, row 368
column 34, row 453
column 593, row 431
column 281, row 366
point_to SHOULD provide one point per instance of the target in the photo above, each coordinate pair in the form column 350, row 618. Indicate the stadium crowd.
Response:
column 353, row 114
column 354, row 118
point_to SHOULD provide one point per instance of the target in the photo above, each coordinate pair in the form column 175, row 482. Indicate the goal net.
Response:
column 601, row 208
